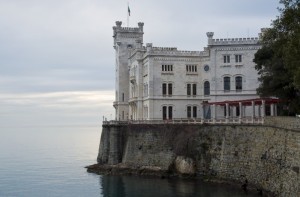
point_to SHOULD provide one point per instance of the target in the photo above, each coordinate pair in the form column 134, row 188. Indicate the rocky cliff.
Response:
column 265, row 157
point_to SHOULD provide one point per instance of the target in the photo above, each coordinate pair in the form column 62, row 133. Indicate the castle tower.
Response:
column 124, row 42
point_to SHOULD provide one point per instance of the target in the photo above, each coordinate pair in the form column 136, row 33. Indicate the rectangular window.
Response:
column 226, row 58
column 191, row 69
column 169, row 89
column 168, row 68
column 194, row 89
column 164, row 88
column 189, row 111
column 195, row 112
column 188, row 89
column 238, row 58
column 123, row 97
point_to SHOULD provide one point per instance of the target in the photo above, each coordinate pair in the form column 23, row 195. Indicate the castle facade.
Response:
column 162, row 83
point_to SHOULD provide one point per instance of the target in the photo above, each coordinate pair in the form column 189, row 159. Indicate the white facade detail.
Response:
column 156, row 83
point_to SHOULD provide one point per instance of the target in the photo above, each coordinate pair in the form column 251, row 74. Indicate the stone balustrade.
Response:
column 275, row 121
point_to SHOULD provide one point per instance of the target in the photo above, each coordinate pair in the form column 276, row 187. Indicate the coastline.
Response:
column 157, row 172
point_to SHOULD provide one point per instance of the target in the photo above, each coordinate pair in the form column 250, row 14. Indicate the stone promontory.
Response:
column 262, row 157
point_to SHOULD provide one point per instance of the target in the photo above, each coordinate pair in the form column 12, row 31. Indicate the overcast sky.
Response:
column 57, row 56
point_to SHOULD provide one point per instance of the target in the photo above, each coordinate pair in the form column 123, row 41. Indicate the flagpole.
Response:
column 127, row 14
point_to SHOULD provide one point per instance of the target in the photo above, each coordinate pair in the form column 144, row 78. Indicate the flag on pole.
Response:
column 128, row 11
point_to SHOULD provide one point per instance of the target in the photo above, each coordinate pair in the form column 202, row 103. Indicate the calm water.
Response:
column 50, row 162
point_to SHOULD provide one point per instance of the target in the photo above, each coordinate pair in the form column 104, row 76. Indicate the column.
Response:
column 241, row 111
column 214, row 115
column 202, row 112
column 227, row 112
column 253, row 111
column 272, row 109
column 263, row 108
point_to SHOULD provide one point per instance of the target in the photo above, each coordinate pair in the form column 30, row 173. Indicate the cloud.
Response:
column 56, row 108
column 54, row 53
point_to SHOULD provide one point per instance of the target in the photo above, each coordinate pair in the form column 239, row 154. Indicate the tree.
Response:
column 278, row 61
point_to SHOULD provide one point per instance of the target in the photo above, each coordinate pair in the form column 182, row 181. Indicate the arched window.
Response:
column 164, row 112
column 194, row 111
column 170, row 112
column 206, row 88
column 189, row 111
column 238, row 83
column 227, row 83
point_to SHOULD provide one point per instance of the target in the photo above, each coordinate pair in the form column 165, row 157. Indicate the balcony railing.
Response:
column 230, row 120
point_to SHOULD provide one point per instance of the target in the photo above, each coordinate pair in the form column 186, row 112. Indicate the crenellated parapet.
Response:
column 119, row 28
column 127, row 33
column 230, row 41
column 235, row 41
column 164, row 48
column 205, row 53
column 173, row 51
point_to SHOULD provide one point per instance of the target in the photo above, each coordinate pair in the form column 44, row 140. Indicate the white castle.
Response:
column 161, row 83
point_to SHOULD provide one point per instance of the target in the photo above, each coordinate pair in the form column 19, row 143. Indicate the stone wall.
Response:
column 268, row 157
column 283, row 122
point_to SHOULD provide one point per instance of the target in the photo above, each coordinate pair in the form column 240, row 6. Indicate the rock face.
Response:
column 185, row 165
column 268, row 157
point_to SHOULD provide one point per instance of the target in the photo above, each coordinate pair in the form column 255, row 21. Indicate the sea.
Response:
column 50, row 161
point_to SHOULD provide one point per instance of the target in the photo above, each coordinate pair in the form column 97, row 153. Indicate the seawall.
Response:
column 267, row 156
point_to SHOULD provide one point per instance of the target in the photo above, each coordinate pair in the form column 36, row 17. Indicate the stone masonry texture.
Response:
column 267, row 156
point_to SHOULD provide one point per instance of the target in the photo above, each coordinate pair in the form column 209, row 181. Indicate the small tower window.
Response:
column 238, row 58
column 226, row 58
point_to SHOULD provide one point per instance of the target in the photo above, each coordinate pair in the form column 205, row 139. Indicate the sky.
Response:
column 57, row 57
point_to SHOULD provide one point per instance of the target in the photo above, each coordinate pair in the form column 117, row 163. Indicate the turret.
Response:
column 210, row 36
column 262, row 32
column 125, row 39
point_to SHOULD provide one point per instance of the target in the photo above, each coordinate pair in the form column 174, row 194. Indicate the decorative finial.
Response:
column 210, row 34
column 141, row 25
column 118, row 23
column 149, row 47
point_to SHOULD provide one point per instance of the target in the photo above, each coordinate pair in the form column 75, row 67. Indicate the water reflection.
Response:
column 130, row 186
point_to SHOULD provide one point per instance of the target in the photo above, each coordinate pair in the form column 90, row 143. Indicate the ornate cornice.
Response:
column 177, row 59
column 238, row 48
